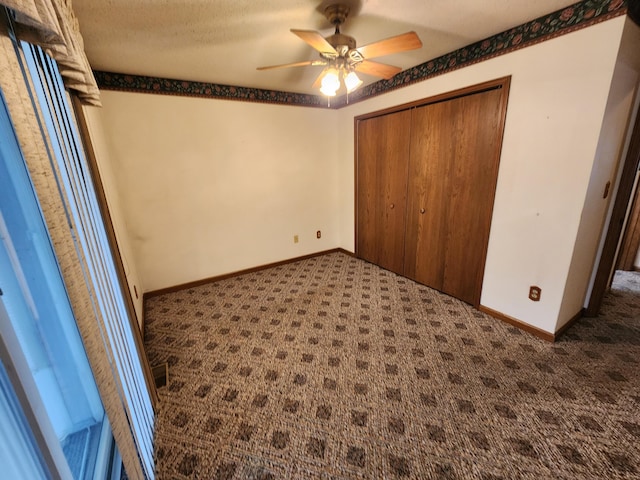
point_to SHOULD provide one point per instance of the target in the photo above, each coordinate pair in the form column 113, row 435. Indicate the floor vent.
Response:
column 161, row 375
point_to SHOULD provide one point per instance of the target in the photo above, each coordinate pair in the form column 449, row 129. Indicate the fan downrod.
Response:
column 337, row 14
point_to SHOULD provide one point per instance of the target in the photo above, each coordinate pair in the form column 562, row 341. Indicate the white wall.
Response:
column 607, row 167
column 209, row 187
column 558, row 95
column 102, row 148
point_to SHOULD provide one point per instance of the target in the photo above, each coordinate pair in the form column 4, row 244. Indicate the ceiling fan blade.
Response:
column 399, row 43
column 316, row 40
column 378, row 69
column 297, row 64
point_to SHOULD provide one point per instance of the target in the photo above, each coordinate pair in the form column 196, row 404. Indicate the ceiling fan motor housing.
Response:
column 343, row 44
column 336, row 14
column 338, row 40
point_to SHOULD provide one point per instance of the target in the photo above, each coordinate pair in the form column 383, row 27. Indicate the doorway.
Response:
column 609, row 256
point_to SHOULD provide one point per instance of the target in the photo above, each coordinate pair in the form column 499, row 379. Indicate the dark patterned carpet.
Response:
column 332, row 368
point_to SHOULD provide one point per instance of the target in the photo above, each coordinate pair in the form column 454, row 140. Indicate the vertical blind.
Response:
column 76, row 187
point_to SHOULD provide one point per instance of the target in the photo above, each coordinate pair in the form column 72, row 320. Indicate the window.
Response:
column 111, row 333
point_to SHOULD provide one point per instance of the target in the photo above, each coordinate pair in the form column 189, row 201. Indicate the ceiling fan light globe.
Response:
column 328, row 92
column 351, row 81
column 330, row 81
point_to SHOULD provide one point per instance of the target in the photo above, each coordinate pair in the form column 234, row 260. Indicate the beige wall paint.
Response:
column 614, row 136
column 210, row 187
column 559, row 91
column 100, row 141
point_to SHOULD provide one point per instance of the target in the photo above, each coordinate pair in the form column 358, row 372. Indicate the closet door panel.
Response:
column 427, row 204
column 366, row 192
column 383, row 156
column 426, row 179
column 476, row 134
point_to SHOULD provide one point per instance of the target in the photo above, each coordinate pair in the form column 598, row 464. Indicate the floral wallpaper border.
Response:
column 185, row 88
column 580, row 15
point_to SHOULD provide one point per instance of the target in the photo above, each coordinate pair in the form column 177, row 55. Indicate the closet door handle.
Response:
column 392, row 206
column 422, row 211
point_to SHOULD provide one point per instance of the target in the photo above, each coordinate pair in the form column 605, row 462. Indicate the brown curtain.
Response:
column 52, row 25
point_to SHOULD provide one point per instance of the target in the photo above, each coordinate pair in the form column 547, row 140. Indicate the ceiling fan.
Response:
column 342, row 59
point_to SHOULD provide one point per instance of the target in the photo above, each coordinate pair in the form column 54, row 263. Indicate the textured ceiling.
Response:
column 223, row 41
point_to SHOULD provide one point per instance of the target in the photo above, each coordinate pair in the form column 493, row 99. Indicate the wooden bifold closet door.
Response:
column 426, row 179
column 382, row 188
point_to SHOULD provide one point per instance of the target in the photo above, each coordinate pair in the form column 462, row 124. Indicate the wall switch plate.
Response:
column 534, row 293
column 318, row 234
column 295, row 239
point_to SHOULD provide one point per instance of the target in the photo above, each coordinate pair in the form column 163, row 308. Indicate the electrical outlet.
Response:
column 295, row 239
column 318, row 234
column 534, row 293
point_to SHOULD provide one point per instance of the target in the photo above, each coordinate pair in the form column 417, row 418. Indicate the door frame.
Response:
column 610, row 251
column 630, row 241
